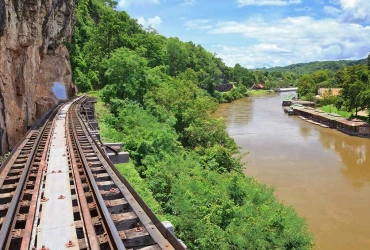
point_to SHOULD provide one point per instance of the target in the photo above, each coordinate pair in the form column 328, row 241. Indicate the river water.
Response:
column 323, row 173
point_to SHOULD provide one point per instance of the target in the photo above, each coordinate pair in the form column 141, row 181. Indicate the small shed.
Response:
column 258, row 86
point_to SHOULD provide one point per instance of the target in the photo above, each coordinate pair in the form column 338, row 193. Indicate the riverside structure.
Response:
column 351, row 126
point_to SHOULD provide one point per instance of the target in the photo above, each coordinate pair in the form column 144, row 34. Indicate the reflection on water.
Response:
column 323, row 173
column 305, row 131
column 237, row 121
column 354, row 154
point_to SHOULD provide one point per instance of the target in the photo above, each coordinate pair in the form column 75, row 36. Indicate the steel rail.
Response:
column 112, row 229
column 167, row 234
column 87, row 220
column 32, row 212
column 5, row 229
column 23, row 139
column 26, row 239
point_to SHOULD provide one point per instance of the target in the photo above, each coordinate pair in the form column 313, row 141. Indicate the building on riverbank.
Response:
column 354, row 127
column 287, row 101
column 258, row 86
column 351, row 126
column 334, row 91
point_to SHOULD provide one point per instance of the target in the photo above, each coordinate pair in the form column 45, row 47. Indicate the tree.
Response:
column 306, row 85
column 242, row 76
column 176, row 57
column 128, row 71
column 355, row 81
column 354, row 102
column 364, row 99
column 320, row 76
column 328, row 97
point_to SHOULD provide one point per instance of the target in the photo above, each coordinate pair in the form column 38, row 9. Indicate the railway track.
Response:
column 59, row 190
column 19, row 180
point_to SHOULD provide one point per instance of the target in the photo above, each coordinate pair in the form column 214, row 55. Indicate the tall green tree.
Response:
column 176, row 57
column 242, row 76
column 306, row 85
column 128, row 72
column 355, row 81
column 364, row 99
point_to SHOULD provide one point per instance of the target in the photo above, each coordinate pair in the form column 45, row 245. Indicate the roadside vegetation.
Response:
column 155, row 96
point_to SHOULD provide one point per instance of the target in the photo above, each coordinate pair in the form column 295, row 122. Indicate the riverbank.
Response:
column 240, row 92
column 259, row 92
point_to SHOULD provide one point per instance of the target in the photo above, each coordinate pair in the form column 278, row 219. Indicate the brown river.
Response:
column 323, row 173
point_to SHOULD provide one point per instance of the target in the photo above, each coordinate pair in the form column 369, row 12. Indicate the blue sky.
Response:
column 262, row 33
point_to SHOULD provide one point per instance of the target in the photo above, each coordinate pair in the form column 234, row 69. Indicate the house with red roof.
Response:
column 258, row 86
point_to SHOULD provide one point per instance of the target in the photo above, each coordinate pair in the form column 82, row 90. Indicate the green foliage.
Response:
column 129, row 172
column 355, row 82
column 242, row 76
column 202, row 191
column 160, row 92
column 128, row 72
column 104, row 38
column 306, row 85
column 332, row 109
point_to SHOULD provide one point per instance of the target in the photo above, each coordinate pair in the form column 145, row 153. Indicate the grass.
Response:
column 261, row 92
column 332, row 109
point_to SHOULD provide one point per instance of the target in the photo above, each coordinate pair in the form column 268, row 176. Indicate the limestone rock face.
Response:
column 32, row 60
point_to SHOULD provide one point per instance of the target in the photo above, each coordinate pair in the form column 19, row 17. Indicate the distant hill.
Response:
column 307, row 68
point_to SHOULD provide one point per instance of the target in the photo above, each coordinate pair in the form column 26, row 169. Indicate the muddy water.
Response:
column 322, row 173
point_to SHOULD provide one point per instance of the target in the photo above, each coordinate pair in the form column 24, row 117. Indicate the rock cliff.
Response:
column 32, row 60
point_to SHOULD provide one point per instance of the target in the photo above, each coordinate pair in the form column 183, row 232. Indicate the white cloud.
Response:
column 294, row 39
column 267, row 2
column 188, row 2
column 150, row 22
column 128, row 3
column 332, row 10
column 355, row 10
column 198, row 24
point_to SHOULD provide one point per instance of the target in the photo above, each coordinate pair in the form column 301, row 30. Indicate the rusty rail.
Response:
column 133, row 219
column 107, row 212
column 15, row 171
